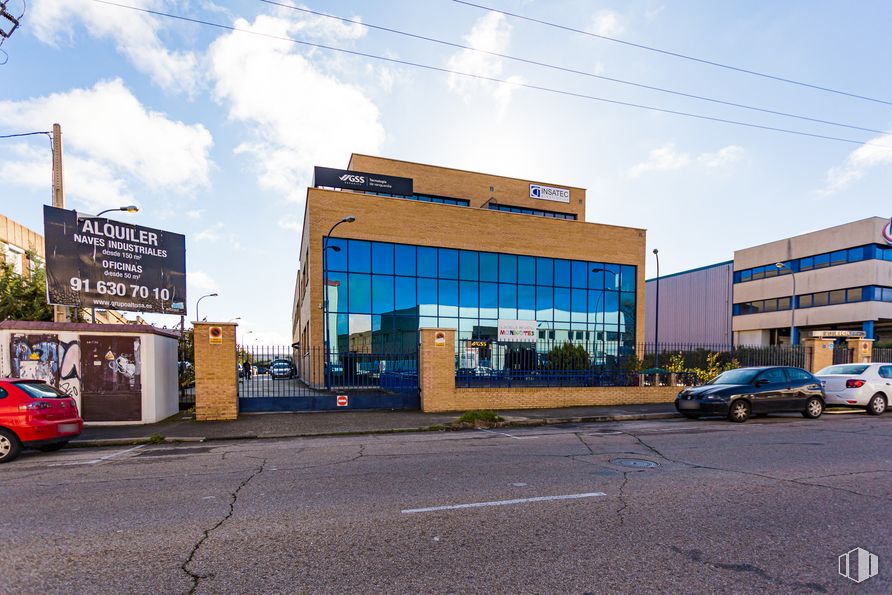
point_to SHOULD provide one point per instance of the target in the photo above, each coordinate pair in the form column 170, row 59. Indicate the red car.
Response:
column 35, row 415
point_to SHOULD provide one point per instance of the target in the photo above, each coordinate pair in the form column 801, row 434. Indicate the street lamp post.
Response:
column 127, row 209
column 657, row 315
column 325, row 342
column 197, row 319
column 781, row 266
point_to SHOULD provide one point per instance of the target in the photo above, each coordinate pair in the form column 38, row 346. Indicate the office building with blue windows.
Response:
column 842, row 278
column 400, row 246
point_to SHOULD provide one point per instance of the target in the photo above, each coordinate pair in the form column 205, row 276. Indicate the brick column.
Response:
column 216, row 379
column 862, row 350
column 436, row 369
column 822, row 353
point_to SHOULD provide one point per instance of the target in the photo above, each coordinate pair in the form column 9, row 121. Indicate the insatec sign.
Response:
column 95, row 262
column 359, row 180
column 549, row 193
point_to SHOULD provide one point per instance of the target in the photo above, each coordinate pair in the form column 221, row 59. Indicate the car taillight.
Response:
column 37, row 406
column 854, row 383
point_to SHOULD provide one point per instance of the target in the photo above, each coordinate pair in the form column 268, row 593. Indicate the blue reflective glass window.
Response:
column 467, row 265
column 807, row 263
column 467, row 299
column 448, row 263
column 427, row 297
column 342, row 335
column 448, row 298
column 611, row 308
column 489, row 266
column 855, row 295
column 855, row 254
column 428, row 322
column 404, row 298
column 336, row 254
column 445, row 322
column 562, row 273
column 489, row 300
column 628, row 277
column 595, row 305
column 507, row 268
column 579, row 304
column 735, row 310
column 359, row 256
column 382, row 294
column 561, row 304
column 822, row 260
column 508, row 301
column 360, row 294
column 382, row 258
column 526, row 270
column 526, row 302
column 427, row 261
column 544, row 271
column 404, row 257
column 544, row 303
column 337, row 292
column 611, row 276
column 596, row 275
column 838, row 257
column 746, row 275
column 627, row 301
column 579, row 274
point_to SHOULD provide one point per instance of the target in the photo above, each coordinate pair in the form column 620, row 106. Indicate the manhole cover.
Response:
column 636, row 463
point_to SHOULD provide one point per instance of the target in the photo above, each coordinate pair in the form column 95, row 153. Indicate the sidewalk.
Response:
column 183, row 427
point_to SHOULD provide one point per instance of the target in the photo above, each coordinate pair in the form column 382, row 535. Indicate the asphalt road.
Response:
column 764, row 506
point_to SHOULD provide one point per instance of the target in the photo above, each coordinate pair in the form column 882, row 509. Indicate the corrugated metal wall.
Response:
column 695, row 307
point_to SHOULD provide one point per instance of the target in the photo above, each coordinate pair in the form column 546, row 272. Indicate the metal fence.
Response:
column 843, row 355
column 882, row 354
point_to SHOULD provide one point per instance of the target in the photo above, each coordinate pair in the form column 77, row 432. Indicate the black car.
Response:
column 740, row 393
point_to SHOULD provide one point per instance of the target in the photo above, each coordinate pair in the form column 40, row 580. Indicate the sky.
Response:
column 214, row 132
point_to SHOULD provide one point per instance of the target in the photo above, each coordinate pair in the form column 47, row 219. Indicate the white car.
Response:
column 858, row 385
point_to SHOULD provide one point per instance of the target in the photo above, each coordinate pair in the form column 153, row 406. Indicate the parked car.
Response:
column 282, row 368
column 858, row 385
column 738, row 394
column 35, row 415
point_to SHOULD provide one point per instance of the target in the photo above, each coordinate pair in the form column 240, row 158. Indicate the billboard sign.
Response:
column 517, row 331
column 93, row 262
column 541, row 192
column 363, row 181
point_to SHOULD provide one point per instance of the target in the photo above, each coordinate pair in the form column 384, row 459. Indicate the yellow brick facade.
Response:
column 216, row 379
column 23, row 238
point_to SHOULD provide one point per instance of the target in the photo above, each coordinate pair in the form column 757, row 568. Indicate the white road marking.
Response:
column 99, row 460
column 506, row 434
column 504, row 502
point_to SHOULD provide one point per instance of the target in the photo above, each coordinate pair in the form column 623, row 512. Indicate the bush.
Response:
column 479, row 415
column 568, row 356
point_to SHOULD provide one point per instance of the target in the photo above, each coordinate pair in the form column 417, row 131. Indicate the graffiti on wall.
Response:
column 54, row 359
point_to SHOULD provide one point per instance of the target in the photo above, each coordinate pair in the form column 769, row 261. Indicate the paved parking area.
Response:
column 672, row 505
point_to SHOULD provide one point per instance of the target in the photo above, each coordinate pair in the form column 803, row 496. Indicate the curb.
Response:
column 519, row 423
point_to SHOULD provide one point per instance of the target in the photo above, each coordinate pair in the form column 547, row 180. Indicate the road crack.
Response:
column 233, row 498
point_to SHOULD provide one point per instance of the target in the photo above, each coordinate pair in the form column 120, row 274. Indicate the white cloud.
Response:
column 199, row 281
column 134, row 33
column 290, row 224
column 110, row 138
column 296, row 121
column 857, row 164
column 209, row 234
column 608, row 23
column 491, row 33
column 667, row 158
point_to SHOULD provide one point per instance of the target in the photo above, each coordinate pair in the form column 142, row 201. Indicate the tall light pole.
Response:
column 197, row 319
column 657, row 315
column 780, row 266
column 325, row 342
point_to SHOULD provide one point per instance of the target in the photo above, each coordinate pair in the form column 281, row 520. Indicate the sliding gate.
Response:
column 279, row 378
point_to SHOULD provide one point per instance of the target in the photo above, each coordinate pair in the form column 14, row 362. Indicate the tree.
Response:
column 23, row 298
column 568, row 356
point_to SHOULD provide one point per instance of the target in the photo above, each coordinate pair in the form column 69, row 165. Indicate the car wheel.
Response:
column 877, row 405
column 53, row 447
column 739, row 411
column 691, row 415
column 10, row 447
column 814, row 408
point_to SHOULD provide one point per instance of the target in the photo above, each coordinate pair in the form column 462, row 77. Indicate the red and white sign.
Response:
column 342, row 400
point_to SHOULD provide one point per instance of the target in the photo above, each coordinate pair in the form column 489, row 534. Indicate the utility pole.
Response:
column 60, row 313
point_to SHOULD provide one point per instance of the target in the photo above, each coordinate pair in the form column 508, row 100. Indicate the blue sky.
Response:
column 214, row 134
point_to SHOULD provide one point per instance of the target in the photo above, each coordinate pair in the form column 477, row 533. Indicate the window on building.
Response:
column 837, row 297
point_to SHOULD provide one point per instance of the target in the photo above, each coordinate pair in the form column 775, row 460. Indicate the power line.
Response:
column 490, row 79
column 47, row 132
column 574, row 71
column 675, row 54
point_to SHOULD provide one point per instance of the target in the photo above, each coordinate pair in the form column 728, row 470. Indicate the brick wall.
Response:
column 438, row 391
column 822, row 353
column 216, row 379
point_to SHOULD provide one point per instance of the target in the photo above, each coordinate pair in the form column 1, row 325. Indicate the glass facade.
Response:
column 381, row 293
column 538, row 212
column 818, row 261
column 870, row 293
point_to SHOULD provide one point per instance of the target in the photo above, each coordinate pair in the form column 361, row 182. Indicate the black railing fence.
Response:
column 843, row 355
column 882, row 355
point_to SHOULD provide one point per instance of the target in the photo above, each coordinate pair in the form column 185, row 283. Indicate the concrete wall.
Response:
column 695, row 306
column 439, row 393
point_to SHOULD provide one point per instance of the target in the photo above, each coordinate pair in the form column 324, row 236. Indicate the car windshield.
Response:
column 39, row 390
column 843, row 370
column 742, row 376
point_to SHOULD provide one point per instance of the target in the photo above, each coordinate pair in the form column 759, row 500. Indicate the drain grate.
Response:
column 634, row 463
